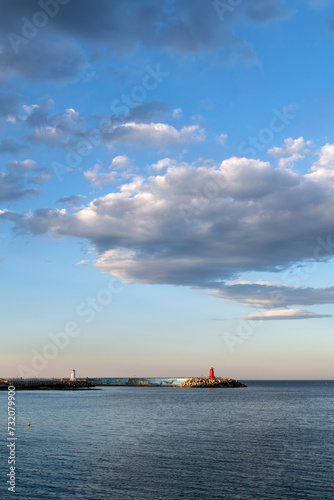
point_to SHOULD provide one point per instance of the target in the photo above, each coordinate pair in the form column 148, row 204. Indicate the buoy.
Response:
column 28, row 425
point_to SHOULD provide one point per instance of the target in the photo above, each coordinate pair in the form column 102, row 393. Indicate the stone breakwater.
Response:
column 212, row 382
column 42, row 384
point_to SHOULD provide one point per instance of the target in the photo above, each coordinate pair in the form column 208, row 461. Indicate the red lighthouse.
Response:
column 212, row 373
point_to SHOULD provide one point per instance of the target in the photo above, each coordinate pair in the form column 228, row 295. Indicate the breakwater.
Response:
column 45, row 384
column 90, row 383
column 212, row 382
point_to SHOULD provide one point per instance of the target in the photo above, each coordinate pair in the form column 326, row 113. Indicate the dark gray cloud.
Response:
column 184, row 25
column 32, row 48
column 317, row 4
column 262, row 11
column 71, row 201
column 38, row 117
column 20, row 167
column 331, row 26
column 12, row 188
column 54, row 130
column 9, row 104
column 12, row 146
column 53, row 49
column 271, row 295
column 40, row 178
column 49, row 58
column 146, row 113
column 14, row 182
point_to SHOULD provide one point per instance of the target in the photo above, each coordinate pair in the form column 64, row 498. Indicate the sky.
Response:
column 166, row 188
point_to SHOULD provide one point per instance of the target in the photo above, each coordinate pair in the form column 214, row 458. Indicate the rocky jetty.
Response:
column 212, row 382
column 42, row 384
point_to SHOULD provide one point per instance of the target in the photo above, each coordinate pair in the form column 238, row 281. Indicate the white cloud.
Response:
column 291, row 147
column 158, row 135
column 285, row 314
column 177, row 113
column 121, row 162
column 289, row 161
column 244, row 281
column 251, row 179
column 121, row 167
column 98, row 178
column 72, row 114
column 323, row 169
column 29, row 109
column 292, row 151
column 82, row 263
column 165, row 162
column 221, row 139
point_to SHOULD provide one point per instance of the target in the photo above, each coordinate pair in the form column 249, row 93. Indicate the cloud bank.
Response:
column 202, row 226
column 50, row 43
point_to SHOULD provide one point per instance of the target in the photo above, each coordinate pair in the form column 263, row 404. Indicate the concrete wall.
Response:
column 138, row 381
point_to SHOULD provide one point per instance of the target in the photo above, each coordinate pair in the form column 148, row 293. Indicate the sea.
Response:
column 271, row 440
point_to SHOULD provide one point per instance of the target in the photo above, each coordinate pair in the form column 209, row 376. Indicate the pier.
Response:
column 46, row 384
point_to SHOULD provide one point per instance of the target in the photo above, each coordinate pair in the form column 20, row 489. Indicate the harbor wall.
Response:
column 137, row 381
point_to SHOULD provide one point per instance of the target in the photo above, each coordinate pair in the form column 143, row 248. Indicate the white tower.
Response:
column 72, row 375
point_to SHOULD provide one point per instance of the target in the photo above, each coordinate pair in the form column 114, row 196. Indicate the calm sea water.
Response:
column 272, row 440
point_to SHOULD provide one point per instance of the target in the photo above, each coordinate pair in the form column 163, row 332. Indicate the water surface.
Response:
column 272, row 440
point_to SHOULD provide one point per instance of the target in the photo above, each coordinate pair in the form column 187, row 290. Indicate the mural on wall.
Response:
column 137, row 381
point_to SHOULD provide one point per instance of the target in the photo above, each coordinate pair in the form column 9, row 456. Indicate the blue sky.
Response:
column 166, row 188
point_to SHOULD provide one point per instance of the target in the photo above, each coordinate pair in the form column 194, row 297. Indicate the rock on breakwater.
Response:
column 212, row 382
